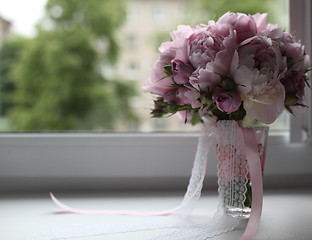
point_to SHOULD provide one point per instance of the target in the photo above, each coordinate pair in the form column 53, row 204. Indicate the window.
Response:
column 159, row 14
column 44, row 161
column 132, row 13
column 300, row 24
column 132, row 69
column 132, row 41
column 137, row 54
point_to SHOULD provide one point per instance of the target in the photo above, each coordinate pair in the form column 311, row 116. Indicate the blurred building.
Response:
column 148, row 23
column 5, row 30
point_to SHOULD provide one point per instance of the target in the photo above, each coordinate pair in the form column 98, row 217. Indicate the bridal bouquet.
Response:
column 238, row 66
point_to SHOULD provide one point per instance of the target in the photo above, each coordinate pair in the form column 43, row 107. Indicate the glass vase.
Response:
column 235, row 187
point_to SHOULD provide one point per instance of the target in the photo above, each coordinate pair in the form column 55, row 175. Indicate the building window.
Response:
column 132, row 69
column 132, row 13
column 159, row 14
column 131, row 41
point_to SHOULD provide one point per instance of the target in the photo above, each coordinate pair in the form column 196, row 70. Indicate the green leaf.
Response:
column 306, row 80
column 168, row 70
column 289, row 110
column 289, row 62
column 196, row 118
column 301, row 105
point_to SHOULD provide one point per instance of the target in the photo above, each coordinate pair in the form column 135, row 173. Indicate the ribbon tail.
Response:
column 257, row 183
column 109, row 212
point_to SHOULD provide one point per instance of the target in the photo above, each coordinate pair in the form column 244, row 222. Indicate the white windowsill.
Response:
column 286, row 214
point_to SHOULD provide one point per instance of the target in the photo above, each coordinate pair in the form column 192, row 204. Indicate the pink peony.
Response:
column 260, row 68
column 273, row 31
column 204, row 79
column 185, row 116
column 299, row 60
column 265, row 104
column 183, row 96
column 181, row 71
column 158, row 83
column 193, row 95
column 260, row 20
column 203, row 47
column 207, row 78
column 244, row 25
column 294, row 86
column 177, row 48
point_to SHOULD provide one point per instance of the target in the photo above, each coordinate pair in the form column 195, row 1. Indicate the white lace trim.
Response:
column 232, row 165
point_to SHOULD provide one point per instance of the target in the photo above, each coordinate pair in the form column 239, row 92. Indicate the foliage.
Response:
column 114, row 108
column 276, row 9
column 54, row 83
column 9, row 54
column 216, row 8
column 56, row 77
column 100, row 18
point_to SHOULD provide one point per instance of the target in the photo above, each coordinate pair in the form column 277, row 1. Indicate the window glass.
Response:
column 80, row 65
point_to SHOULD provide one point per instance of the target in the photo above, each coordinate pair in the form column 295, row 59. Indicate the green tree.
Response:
column 216, row 8
column 9, row 54
column 57, row 78
column 100, row 18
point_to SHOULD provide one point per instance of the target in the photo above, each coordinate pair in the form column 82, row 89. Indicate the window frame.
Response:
column 76, row 161
column 300, row 26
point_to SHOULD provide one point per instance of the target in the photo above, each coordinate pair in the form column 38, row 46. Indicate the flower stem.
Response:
column 248, row 200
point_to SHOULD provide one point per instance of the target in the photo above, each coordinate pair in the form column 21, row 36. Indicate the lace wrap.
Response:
column 232, row 165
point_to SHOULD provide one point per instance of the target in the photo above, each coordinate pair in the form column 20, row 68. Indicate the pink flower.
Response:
column 209, row 77
column 260, row 20
column 158, row 83
column 177, row 48
column 243, row 24
column 299, row 60
column 227, row 101
column 185, row 116
column 273, row 31
column 222, row 29
column 183, row 96
column 204, row 79
column 294, row 86
column 294, row 78
column 260, row 66
column 181, row 71
column 194, row 95
column 170, row 96
column 265, row 104
column 203, row 47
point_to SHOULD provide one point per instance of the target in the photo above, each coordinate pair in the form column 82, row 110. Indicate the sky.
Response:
column 23, row 14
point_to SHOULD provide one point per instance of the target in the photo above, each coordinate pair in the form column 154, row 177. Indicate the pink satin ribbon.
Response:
column 254, row 165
